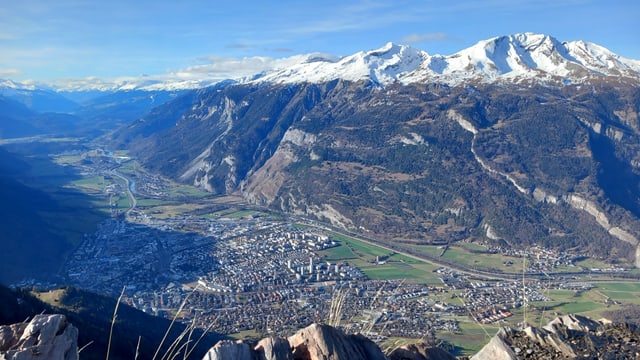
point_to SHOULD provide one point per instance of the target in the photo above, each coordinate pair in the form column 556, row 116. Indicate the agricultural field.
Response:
column 180, row 191
column 625, row 292
column 391, row 266
column 93, row 184
column 463, row 254
column 146, row 203
column 471, row 338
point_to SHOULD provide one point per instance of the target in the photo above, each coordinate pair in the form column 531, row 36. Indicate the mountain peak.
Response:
column 381, row 66
column 388, row 48
column 10, row 84
column 527, row 56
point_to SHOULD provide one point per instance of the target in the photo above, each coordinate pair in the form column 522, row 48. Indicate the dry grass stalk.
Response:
column 164, row 338
column 335, row 312
column 138, row 348
column 113, row 321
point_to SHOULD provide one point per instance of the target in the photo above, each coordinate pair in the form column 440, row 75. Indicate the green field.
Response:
column 394, row 267
column 177, row 191
column 338, row 253
column 471, row 246
column 153, row 202
column 472, row 336
column 461, row 254
column 361, row 249
column 589, row 263
column 122, row 201
column 633, row 287
column 164, row 211
column 93, row 184
column 241, row 213
column 578, row 307
column 67, row 159
column 590, row 303
column 624, row 292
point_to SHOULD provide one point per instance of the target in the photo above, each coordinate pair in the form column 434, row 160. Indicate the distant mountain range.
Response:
column 513, row 58
column 28, row 112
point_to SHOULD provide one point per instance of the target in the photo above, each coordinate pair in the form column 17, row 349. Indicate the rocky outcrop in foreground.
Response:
column 566, row 337
column 319, row 342
column 44, row 337
column 420, row 351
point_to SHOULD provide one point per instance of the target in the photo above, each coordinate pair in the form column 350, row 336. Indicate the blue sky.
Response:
column 46, row 40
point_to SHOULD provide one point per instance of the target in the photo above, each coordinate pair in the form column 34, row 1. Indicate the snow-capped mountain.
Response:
column 382, row 66
column 526, row 56
column 8, row 85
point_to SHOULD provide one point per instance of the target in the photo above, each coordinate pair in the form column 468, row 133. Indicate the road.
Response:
column 132, row 199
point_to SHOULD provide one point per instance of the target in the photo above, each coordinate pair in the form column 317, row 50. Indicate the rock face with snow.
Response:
column 518, row 57
column 527, row 56
column 382, row 66
column 44, row 337
column 426, row 162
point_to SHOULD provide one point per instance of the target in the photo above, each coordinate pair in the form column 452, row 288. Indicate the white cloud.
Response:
column 8, row 73
column 222, row 68
column 353, row 16
column 417, row 38
column 214, row 69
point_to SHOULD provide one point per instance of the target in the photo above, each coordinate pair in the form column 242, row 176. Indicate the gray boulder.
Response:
column 44, row 337
column 230, row 350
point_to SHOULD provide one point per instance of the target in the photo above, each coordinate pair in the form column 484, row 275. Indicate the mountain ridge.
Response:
column 522, row 56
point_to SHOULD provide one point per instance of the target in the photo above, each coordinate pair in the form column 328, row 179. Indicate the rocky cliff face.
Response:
column 566, row 337
column 419, row 351
column 315, row 342
column 44, row 337
column 320, row 342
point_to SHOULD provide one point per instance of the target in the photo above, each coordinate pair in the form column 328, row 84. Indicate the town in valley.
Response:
column 221, row 264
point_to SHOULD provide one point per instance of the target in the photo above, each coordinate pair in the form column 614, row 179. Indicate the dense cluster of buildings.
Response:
column 269, row 277
column 245, row 274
